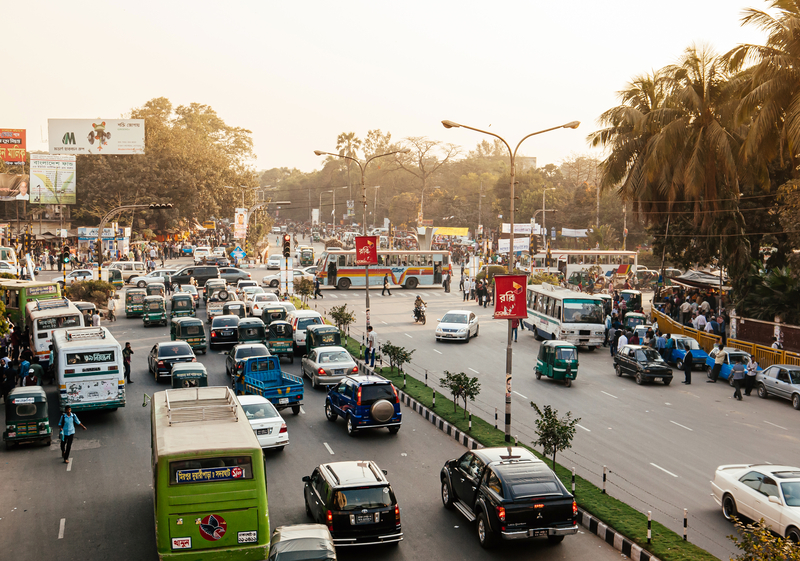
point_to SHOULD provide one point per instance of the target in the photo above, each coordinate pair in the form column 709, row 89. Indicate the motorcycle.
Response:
column 419, row 315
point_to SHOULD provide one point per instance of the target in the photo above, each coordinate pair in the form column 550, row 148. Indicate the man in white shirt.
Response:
column 372, row 344
column 686, row 309
column 623, row 340
column 701, row 322
column 705, row 307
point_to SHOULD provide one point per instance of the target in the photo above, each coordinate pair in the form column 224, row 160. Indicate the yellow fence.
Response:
column 766, row 356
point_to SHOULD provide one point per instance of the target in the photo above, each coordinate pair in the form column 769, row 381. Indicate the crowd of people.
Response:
column 17, row 364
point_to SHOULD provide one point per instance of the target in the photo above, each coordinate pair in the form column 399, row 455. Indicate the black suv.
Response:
column 643, row 363
column 512, row 494
column 355, row 501
column 201, row 274
column 365, row 402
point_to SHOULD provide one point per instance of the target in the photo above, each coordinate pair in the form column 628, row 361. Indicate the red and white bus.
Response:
column 408, row 269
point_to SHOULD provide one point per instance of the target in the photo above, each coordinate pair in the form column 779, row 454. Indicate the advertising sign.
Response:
column 14, row 187
column 366, row 250
column 314, row 216
column 96, row 136
column 12, row 146
column 520, row 244
column 240, row 224
column 351, row 208
column 509, row 296
column 53, row 179
column 209, row 474
column 519, row 228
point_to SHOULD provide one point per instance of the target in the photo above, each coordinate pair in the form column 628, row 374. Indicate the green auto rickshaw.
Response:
column 273, row 313
column 322, row 336
column 134, row 302
column 181, row 305
column 115, row 278
column 252, row 330
column 235, row 308
column 306, row 257
column 189, row 375
column 191, row 330
column 155, row 311
column 26, row 417
column 156, row 289
column 632, row 319
column 557, row 360
column 280, row 339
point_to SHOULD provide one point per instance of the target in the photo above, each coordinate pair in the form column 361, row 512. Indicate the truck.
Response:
column 263, row 376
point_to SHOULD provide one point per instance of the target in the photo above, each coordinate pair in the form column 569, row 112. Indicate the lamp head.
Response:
column 318, row 152
column 572, row 125
column 404, row 151
column 450, row 124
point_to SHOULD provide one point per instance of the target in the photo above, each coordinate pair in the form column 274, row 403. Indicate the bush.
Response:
column 304, row 287
column 94, row 291
column 497, row 270
column 539, row 278
column 342, row 316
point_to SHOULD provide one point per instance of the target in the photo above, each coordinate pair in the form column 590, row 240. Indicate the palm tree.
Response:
column 348, row 145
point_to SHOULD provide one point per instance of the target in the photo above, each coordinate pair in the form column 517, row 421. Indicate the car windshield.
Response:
column 647, row 355
column 174, row 350
column 333, row 356
column 583, row 311
column 154, row 305
column 364, row 497
column 534, row 489
column 791, row 492
column 564, row 353
column 688, row 344
column 274, row 257
column 794, row 376
column 225, row 322
column 244, row 352
column 189, row 288
column 454, row 318
column 302, row 323
column 256, row 411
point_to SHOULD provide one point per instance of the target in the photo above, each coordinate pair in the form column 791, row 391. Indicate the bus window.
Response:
column 445, row 258
column 551, row 307
column 342, row 260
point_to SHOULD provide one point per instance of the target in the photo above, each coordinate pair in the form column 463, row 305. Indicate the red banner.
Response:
column 12, row 146
column 509, row 296
column 366, row 250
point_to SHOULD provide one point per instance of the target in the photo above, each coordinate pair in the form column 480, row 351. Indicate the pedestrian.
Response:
column 719, row 360
column 126, row 362
column 613, row 338
column 446, row 283
column 687, row 368
column 96, row 318
column 776, row 344
column 514, row 328
column 67, row 423
column 369, row 351
column 623, row 340
column 30, row 379
column 112, row 307
column 24, row 367
column 608, row 328
column 738, row 373
column 317, row 290
column 750, row 378
column 465, row 288
column 37, row 372
column 386, row 285
column 661, row 345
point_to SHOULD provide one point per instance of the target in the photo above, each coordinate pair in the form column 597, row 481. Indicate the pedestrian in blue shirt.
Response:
column 67, row 424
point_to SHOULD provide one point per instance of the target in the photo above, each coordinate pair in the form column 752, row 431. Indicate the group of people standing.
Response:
column 478, row 290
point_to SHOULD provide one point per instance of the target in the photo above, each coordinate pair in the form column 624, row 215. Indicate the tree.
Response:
column 758, row 543
column 461, row 387
column 398, row 356
column 425, row 159
column 403, row 208
column 605, row 236
column 555, row 435
column 342, row 317
column 348, row 145
column 305, row 288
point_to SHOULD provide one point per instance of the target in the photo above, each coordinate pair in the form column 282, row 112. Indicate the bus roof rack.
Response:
column 197, row 405
column 82, row 334
column 51, row 304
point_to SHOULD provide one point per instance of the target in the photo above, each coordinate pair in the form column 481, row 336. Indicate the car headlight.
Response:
column 462, row 330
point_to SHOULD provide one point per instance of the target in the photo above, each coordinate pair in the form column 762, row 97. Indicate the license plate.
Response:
column 227, row 332
column 338, row 372
column 283, row 400
column 365, row 519
column 247, row 537
column 264, row 431
column 537, row 533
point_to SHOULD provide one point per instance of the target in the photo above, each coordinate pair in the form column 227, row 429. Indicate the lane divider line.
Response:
column 609, row 395
column 69, row 465
column 519, row 394
column 680, row 425
column 774, row 425
column 662, row 469
column 475, row 371
column 407, row 335
column 328, row 447
column 61, row 528
column 434, row 350
column 582, row 427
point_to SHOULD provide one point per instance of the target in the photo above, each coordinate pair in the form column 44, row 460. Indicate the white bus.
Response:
column 407, row 268
column 42, row 317
column 88, row 365
column 568, row 261
column 559, row 313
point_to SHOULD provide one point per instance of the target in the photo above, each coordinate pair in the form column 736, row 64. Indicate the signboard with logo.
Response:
column 12, row 146
column 201, row 475
column 240, row 224
column 53, row 179
column 519, row 228
column 351, row 208
column 96, row 136
column 509, row 296
column 366, row 250
column 520, row 244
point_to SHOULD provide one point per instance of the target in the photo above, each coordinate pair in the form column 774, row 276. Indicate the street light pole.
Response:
column 375, row 206
column 513, row 154
column 544, row 216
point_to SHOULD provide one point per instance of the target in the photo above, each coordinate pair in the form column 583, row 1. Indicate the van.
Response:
column 300, row 319
column 201, row 274
column 129, row 269
column 201, row 252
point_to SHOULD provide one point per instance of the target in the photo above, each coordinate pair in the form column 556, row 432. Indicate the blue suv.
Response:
column 365, row 402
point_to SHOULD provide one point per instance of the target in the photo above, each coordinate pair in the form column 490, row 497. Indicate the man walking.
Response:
column 126, row 362
column 514, row 328
column 67, row 424
column 317, row 290
column 386, row 285
column 112, row 307
column 687, row 368
column 719, row 360
column 738, row 373
column 465, row 288
column 369, row 351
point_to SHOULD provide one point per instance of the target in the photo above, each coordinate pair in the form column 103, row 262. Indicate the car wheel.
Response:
column 639, row 378
column 555, row 539
column 666, row 381
column 793, row 535
column 329, row 413
column 567, row 382
column 708, row 371
column 679, row 364
column 477, row 330
column 295, row 410
column 796, row 401
column 351, row 429
column 590, row 348
column 141, row 284
column 273, row 284
column 447, row 496
column 537, row 373
column 762, row 391
column 485, row 534
column 618, row 370
column 729, row 507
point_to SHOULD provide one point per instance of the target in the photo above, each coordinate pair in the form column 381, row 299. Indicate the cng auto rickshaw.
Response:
column 306, row 257
column 252, row 330
column 155, row 289
column 235, row 308
column 190, row 330
column 322, row 336
column 155, row 311
column 26, row 417
column 557, row 360
column 280, row 339
column 115, row 278
column 633, row 299
column 632, row 319
column 181, row 305
column 189, row 375
column 273, row 313
column 134, row 302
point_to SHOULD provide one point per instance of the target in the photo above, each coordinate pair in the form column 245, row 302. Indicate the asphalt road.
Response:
column 100, row 506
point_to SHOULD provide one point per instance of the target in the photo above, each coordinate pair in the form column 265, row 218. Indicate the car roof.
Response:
column 491, row 455
column 305, row 314
column 224, row 316
column 177, row 342
column 368, row 379
column 250, row 399
column 354, row 473
column 330, row 348
column 788, row 366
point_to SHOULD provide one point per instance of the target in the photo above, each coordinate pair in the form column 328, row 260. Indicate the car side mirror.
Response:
column 385, row 472
column 306, row 479
column 774, row 499
column 305, row 356
column 439, row 319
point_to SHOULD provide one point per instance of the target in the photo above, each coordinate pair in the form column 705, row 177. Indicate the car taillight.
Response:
column 330, row 520
column 501, row 513
column 396, row 397
column 321, row 371
column 69, row 371
column 283, row 428
column 240, row 366
column 355, row 369
column 397, row 514
column 574, row 508
column 358, row 397
column 161, row 363
column 248, row 276
column 194, row 359
column 213, row 333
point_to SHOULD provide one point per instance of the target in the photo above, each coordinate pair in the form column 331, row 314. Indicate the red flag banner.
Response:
column 12, row 146
column 366, row 250
column 509, row 296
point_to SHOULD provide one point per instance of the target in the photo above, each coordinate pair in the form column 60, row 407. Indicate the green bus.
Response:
column 209, row 477
column 16, row 294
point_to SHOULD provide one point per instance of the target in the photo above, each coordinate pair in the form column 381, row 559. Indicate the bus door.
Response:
column 437, row 268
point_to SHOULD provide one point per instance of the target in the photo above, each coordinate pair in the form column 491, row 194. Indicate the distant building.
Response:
column 524, row 163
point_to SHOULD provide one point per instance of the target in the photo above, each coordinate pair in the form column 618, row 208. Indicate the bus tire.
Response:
column 411, row 283
column 590, row 348
column 343, row 284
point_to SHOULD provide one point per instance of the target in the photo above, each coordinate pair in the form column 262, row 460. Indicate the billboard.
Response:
column 509, row 296
column 96, row 136
column 12, row 146
column 520, row 244
column 366, row 250
column 240, row 224
column 52, row 179
column 14, row 187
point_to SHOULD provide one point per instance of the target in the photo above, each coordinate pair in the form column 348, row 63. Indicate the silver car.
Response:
column 326, row 366
column 160, row 275
column 781, row 380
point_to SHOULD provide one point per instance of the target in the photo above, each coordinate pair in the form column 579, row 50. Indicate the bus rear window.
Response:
column 209, row 470
column 46, row 324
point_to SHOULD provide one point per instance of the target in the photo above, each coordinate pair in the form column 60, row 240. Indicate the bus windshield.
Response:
column 583, row 311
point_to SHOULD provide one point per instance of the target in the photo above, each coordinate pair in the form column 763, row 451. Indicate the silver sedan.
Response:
column 326, row 366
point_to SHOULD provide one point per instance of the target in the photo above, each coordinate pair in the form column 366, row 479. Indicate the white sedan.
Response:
column 78, row 275
column 274, row 261
column 267, row 423
column 6, row 267
column 257, row 302
column 457, row 324
column 273, row 281
column 761, row 491
column 159, row 275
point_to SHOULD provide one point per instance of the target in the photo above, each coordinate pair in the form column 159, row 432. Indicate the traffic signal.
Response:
column 156, row 206
column 287, row 245
column 65, row 255
column 533, row 246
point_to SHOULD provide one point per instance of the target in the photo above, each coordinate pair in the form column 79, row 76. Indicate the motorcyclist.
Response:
column 419, row 303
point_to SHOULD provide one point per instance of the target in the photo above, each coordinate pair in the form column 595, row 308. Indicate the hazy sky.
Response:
column 299, row 73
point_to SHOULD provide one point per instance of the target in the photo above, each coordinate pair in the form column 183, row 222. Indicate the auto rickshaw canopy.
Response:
column 189, row 375
column 322, row 336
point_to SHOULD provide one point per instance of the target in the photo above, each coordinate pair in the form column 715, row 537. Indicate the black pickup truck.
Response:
column 511, row 493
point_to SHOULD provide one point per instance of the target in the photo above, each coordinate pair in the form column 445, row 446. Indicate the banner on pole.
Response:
column 366, row 250
column 509, row 296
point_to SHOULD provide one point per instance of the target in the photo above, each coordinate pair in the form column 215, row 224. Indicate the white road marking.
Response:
column 407, row 335
column 662, row 469
column 333, row 296
column 384, row 323
column 434, row 350
column 774, row 425
column 519, row 394
column 666, row 403
column 424, row 294
column 680, row 425
column 328, row 447
column 69, row 465
column 584, row 428
column 302, row 411
column 475, row 371
column 61, row 528
column 609, row 395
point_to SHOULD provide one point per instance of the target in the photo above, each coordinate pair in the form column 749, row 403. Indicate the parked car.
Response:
column 274, row 261
column 457, row 324
column 682, row 345
column 233, row 274
column 10, row 268
column 365, row 402
column 218, row 260
column 643, row 363
column 274, row 281
column 781, row 380
column 162, row 276
column 224, row 331
column 163, row 355
column 300, row 319
column 241, row 352
column 328, row 365
column 302, row 541
column 759, row 491
column 267, row 423
column 355, row 500
column 200, row 273
column 732, row 355
column 511, row 493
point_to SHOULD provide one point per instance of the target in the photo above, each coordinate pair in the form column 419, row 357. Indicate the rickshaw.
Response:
column 26, row 416
column 306, row 257
column 633, row 299
column 189, row 375
column 155, row 289
column 210, row 286
column 190, row 330
column 134, row 302
column 632, row 319
column 316, row 237
column 155, row 311
column 280, row 339
column 322, row 336
column 192, row 290
column 273, row 313
column 557, row 360
column 235, row 308
column 115, row 278
column 252, row 330
column 181, row 305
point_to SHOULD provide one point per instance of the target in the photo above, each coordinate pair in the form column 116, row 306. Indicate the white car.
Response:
column 200, row 253
column 274, row 281
column 300, row 319
column 267, row 423
column 257, row 302
column 274, row 261
column 761, row 491
column 6, row 267
column 219, row 252
column 159, row 275
column 457, row 324
column 78, row 275
column 242, row 283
